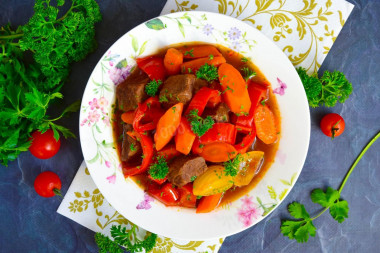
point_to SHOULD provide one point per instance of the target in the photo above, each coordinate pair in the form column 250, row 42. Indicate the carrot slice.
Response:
column 184, row 138
column 128, row 117
column 265, row 124
column 234, row 88
column 209, row 203
column 199, row 51
column 218, row 152
column 192, row 66
column 167, row 125
column 172, row 61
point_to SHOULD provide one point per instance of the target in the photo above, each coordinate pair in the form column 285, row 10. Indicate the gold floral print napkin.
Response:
column 304, row 30
column 84, row 204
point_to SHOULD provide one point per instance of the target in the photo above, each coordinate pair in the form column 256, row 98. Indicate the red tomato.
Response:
column 44, row 145
column 187, row 199
column 332, row 125
column 47, row 184
column 167, row 194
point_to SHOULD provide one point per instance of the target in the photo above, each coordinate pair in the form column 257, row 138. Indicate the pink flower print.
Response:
column 246, row 215
column 281, row 89
column 281, row 156
column 102, row 102
column 108, row 164
column 145, row 204
column 111, row 179
column 106, row 121
column 94, row 104
column 118, row 73
column 93, row 116
column 83, row 122
column 247, row 201
column 111, row 63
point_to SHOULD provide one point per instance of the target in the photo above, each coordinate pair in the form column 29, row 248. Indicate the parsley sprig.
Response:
column 159, row 169
column 326, row 90
column 231, row 167
column 207, row 72
column 248, row 73
column 199, row 125
column 151, row 88
column 124, row 238
column 302, row 228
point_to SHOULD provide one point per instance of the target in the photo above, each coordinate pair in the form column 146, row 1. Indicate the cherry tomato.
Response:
column 47, row 184
column 332, row 125
column 44, row 145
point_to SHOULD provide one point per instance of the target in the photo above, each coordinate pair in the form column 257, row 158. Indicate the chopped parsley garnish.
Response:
column 159, row 169
column 248, row 73
column 244, row 59
column 174, row 108
column 193, row 178
column 231, row 167
column 163, row 98
column 152, row 87
column 262, row 102
column 190, row 52
column 207, row 72
column 210, row 57
column 132, row 147
column 198, row 124
column 189, row 70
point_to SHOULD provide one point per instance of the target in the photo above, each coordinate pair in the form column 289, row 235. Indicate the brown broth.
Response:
column 234, row 59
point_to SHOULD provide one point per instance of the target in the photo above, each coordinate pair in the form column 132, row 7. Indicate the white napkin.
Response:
column 304, row 29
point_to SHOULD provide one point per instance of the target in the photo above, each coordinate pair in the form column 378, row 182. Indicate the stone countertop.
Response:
column 30, row 224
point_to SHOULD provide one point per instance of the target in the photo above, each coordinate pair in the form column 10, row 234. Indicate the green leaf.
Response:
column 98, row 129
column 299, row 230
column 282, row 194
column 272, row 192
column 74, row 107
column 12, row 140
column 65, row 131
column 142, row 48
column 182, row 30
column 325, row 199
column 155, row 24
column 135, row 44
column 94, row 159
column 285, row 182
column 339, row 211
column 298, row 211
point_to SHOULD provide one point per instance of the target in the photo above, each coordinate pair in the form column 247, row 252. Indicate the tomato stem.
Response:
column 57, row 192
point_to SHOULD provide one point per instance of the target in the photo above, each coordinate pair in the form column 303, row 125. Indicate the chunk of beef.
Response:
column 198, row 84
column 178, row 88
column 131, row 150
column 219, row 113
column 132, row 90
column 183, row 168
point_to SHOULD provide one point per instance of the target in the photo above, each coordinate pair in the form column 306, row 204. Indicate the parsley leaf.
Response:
column 207, row 72
column 248, row 73
column 132, row 147
column 190, row 52
column 199, row 126
column 152, row 87
column 327, row 90
column 231, row 167
column 160, row 169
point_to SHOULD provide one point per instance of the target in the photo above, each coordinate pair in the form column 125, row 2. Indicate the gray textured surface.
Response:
column 30, row 224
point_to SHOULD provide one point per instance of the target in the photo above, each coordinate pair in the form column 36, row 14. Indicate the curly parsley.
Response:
column 248, row 73
column 199, row 125
column 190, row 52
column 151, row 88
column 231, row 167
column 160, row 169
column 207, row 72
column 326, row 90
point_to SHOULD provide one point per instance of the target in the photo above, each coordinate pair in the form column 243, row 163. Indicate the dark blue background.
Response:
column 30, row 224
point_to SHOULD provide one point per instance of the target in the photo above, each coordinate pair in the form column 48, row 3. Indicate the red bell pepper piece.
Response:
column 167, row 194
column 247, row 141
column 147, row 147
column 200, row 100
column 187, row 199
column 153, row 66
column 256, row 92
column 169, row 152
column 197, row 147
column 158, row 181
column 150, row 111
column 221, row 132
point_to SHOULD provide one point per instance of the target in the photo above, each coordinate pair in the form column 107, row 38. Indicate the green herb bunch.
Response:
column 29, row 85
column 124, row 238
column 199, row 125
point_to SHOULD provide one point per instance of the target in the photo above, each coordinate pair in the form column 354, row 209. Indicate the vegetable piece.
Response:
column 246, row 142
column 207, row 72
column 44, row 146
column 248, row 73
column 327, row 90
column 231, row 167
column 151, row 88
column 184, row 138
column 153, row 66
column 220, row 132
column 187, row 199
column 172, row 61
column 193, row 66
column 209, row 203
column 218, row 152
column 199, row 125
column 332, row 125
column 47, row 184
column 265, row 124
column 158, row 181
column 199, row 51
column 147, row 147
column 200, row 99
column 128, row 117
column 213, row 181
column 166, row 194
column 159, row 170
column 150, row 111
column 248, row 167
column 169, row 152
column 301, row 228
column 235, row 92
column 257, row 93
column 167, row 126
column 123, row 237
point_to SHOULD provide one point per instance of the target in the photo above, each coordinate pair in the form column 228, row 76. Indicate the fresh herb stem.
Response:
column 11, row 37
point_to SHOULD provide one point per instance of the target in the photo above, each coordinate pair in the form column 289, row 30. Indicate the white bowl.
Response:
column 97, row 139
